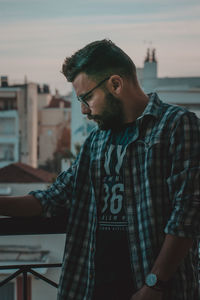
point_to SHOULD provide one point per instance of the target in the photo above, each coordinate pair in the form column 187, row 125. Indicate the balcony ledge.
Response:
column 32, row 225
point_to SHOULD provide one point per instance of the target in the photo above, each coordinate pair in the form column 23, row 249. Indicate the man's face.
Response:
column 102, row 107
column 111, row 116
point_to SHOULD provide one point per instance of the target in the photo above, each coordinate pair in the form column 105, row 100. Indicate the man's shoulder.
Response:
column 170, row 116
column 162, row 110
column 175, row 112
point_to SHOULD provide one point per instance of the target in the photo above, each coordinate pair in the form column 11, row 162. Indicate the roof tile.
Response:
column 22, row 173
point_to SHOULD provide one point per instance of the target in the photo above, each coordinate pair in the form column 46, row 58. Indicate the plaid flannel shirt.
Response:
column 162, row 196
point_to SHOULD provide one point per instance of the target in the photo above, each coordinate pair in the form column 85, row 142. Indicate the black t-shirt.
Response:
column 112, row 261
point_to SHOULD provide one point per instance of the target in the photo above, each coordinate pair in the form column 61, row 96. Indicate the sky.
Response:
column 36, row 36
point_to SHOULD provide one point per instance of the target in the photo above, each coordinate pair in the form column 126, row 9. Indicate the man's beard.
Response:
column 112, row 116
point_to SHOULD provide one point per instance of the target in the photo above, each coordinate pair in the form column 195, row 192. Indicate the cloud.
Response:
column 38, row 47
column 34, row 9
column 54, row 32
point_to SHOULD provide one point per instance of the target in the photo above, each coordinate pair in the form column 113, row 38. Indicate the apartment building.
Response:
column 32, row 123
column 54, row 128
column 18, row 123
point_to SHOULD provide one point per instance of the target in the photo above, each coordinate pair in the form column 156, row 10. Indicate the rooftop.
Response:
column 58, row 102
column 22, row 173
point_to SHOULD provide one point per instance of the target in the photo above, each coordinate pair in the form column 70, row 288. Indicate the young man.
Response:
column 133, row 194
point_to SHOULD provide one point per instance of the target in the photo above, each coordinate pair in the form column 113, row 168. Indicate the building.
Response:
column 18, row 120
column 33, row 124
column 54, row 130
column 183, row 91
column 18, row 179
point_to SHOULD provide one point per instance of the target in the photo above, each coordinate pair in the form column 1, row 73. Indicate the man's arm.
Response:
column 183, row 186
column 172, row 253
column 20, row 206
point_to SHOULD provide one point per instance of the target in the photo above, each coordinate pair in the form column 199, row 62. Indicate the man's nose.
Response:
column 85, row 109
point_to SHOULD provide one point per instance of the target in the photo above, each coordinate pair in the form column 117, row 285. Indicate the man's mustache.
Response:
column 94, row 117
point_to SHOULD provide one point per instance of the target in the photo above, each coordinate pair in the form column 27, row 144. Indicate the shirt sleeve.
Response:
column 55, row 200
column 184, row 180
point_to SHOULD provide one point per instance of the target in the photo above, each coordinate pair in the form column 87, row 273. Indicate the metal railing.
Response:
column 30, row 226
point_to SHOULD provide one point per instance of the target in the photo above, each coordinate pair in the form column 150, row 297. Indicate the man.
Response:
column 132, row 195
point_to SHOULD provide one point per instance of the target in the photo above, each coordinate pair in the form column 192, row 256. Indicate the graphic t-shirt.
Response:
column 112, row 252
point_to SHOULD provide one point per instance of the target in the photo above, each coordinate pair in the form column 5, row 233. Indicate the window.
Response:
column 6, row 152
column 7, row 126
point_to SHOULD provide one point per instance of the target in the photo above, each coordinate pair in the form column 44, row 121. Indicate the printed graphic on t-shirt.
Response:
column 113, row 215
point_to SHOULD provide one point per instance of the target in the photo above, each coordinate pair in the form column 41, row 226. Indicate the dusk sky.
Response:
column 36, row 36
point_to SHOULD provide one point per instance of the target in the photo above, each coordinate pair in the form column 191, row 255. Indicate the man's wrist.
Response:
column 152, row 281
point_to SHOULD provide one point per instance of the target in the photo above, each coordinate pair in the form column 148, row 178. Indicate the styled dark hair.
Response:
column 98, row 60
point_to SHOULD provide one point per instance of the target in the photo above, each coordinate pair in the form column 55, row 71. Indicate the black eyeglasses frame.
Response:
column 82, row 97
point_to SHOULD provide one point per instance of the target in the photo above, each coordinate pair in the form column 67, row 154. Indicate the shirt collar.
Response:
column 153, row 107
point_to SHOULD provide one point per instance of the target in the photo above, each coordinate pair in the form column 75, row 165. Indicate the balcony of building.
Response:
column 28, row 272
column 31, row 249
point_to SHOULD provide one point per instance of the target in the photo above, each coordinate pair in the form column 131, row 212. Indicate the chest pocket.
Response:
column 151, row 147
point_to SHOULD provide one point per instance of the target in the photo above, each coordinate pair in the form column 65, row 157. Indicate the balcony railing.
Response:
column 30, row 226
column 27, row 226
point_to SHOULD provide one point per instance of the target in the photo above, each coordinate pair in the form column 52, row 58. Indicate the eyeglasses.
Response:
column 82, row 97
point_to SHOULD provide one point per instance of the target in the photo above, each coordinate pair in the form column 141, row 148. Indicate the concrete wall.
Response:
column 32, row 124
column 27, row 109
column 18, row 189
column 43, row 100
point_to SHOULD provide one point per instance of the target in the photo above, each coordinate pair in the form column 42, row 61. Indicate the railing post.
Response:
column 25, row 289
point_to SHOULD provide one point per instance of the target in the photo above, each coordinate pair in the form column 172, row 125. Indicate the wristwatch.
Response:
column 153, row 282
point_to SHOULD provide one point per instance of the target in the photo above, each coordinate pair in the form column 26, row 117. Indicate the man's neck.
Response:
column 135, row 107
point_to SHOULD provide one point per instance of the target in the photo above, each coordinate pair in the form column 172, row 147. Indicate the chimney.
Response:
column 147, row 59
column 46, row 89
column 154, row 55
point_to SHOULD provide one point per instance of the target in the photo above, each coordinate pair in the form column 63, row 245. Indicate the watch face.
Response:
column 151, row 279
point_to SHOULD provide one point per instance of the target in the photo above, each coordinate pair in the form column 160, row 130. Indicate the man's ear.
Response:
column 115, row 84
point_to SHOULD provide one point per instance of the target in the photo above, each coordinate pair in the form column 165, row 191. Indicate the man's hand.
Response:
column 146, row 293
